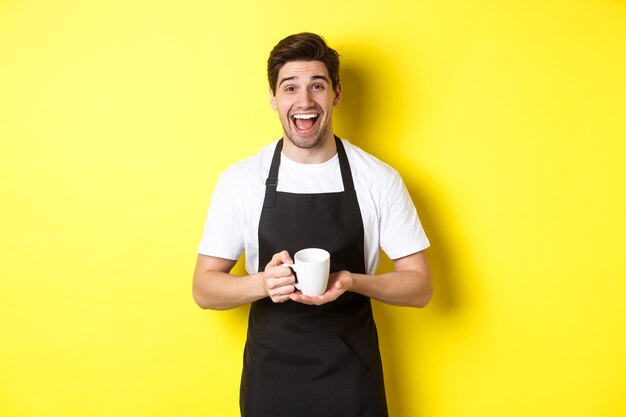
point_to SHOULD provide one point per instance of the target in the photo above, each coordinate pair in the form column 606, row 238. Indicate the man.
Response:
column 311, row 356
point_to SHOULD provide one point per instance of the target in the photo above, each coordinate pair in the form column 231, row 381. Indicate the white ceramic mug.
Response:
column 311, row 267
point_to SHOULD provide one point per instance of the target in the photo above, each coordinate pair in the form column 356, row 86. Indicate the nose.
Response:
column 305, row 99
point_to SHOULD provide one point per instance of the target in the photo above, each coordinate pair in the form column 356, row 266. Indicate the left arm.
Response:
column 409, row 285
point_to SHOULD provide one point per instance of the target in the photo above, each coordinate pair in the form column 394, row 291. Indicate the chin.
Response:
column 305, row 142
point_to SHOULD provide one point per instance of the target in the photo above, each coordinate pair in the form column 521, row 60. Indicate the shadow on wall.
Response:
column 366, row 78
column 360, row 108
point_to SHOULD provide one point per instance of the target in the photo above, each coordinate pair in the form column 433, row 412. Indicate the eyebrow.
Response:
column 315, row 77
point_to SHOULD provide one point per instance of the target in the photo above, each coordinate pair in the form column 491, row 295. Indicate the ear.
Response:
column 272, row 99
column 338, row 91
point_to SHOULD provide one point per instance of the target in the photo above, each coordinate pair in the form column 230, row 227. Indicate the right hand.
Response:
column 278, row 280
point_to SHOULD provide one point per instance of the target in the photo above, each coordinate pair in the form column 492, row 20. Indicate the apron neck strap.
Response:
column 272, row 179
column 346, row 174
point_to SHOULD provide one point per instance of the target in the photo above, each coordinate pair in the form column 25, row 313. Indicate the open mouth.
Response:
column 304, row 122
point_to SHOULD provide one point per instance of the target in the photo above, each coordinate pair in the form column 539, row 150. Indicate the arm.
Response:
column 215, row 288
column 409, row 285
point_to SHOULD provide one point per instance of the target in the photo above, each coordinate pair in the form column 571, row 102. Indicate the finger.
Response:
column 285, row 257
column 327, row 297
column 276, row 272
column 280, row 298
column 298, row 297
column 305, row 299
column 279, row 259
column 281, row 289
column 279, row 281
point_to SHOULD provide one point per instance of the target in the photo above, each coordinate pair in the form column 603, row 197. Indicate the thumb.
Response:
column 280, row 258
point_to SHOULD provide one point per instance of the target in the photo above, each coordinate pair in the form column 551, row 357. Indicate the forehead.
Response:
column 303, row 70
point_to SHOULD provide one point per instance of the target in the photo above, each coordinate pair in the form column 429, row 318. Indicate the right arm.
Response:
column 214, row 287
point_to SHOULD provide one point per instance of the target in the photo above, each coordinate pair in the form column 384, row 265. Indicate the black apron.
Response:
column 313, row 361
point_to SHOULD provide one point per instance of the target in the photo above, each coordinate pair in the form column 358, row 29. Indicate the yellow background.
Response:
column 506, row 120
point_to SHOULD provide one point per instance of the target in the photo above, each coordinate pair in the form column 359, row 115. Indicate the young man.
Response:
column 311, row 356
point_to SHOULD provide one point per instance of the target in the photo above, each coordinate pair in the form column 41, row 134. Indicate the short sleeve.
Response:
column 401, row 232
column 223, row 234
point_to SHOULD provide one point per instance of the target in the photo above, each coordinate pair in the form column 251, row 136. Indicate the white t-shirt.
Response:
column 390, row 221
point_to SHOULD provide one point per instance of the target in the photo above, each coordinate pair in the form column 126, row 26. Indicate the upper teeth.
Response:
column 305, row 116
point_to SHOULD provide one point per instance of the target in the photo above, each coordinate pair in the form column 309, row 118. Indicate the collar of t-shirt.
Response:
column 295, row 177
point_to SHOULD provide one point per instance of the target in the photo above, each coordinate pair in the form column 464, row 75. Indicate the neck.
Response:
column 322, row 152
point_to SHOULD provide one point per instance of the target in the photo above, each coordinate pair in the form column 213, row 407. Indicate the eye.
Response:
column 318, row 86
column 290, row 89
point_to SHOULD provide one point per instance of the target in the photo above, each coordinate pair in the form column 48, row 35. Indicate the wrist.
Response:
column 349, row 281
column 261, row 288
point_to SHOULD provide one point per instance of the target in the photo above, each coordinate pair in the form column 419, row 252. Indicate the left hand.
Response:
column 338, row 283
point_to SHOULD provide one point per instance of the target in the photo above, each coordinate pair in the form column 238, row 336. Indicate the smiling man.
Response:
column 311, row 356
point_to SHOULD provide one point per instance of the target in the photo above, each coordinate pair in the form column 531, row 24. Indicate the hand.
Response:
column 277, row 280
column 338, row 283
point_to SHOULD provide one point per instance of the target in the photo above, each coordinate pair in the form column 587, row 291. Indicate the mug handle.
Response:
column 295, row 274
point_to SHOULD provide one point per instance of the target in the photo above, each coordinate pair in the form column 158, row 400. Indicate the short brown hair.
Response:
column 302, row 47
